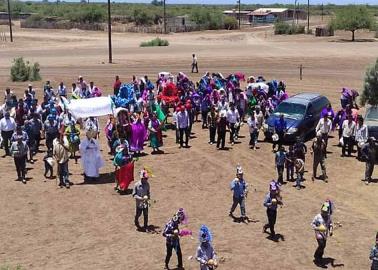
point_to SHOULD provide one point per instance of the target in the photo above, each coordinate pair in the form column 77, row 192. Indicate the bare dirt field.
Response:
column 91, row 226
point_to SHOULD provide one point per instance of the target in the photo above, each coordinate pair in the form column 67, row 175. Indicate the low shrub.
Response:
column 21, row 71
column 230, row 23
column 157, row 42
column 284, row 28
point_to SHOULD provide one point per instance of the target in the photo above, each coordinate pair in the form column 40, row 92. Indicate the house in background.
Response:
column 244, row 15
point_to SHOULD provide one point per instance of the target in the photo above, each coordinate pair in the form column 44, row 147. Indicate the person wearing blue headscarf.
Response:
column 206, row 255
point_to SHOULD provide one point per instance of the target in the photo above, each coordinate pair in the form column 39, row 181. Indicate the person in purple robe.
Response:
column 138, row 135
column 328, row 111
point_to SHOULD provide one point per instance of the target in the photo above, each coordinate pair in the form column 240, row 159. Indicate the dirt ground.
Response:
column 91, row 226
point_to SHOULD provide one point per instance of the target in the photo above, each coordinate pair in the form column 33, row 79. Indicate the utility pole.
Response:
column 295, row 11
column 165, row 18
column 109, row 34
column 308, row 16
column 239, row 13
column 322, row 11
column 10, row 22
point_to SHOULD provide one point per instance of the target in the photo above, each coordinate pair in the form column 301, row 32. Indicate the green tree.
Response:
column 353, row 18
column 370, row 88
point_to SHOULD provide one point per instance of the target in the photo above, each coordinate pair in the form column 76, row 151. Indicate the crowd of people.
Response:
column 142, row 114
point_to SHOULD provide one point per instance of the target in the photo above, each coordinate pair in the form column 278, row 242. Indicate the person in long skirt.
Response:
column 156, row 139
column 91, row 158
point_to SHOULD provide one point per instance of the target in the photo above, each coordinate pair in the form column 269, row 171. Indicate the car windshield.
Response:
column 291, row 110
column 372, row 114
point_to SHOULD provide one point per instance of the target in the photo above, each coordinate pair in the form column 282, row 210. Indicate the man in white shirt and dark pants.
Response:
column 233, row 119
column 182, row 124
column 194, row 63
column 7, row 127
column 324, row 127
column 349, row 130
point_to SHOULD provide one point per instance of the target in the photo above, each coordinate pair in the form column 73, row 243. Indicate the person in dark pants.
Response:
column 221, row 129
column 194, row 63
column 205, row 108
column 19, row 150
column 271, row 202
column 51, row 131
column 289, row 164
column 239, row 188
column 7, row 127
column 318, row 150
column 61, row 154
column 280, row 163
column 172, row 234
column 349, row 130
column 322, row 224
column 212, row 119
column 280, row 127
column 368, row 153
column 182, row 124
column 141, row 193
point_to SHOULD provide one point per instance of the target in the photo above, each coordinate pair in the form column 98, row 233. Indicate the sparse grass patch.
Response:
column 156, row 42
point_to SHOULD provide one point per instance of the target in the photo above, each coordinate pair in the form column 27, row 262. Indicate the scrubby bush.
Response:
column 21, row 71
column 370, row 87
column 143, row 17
column 157, row 42
column 284, row 28
column 230, row 23
column 208, row 19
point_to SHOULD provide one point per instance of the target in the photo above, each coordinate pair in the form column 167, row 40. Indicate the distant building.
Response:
column 244, row 15
column 180, row 24
column 4, row 16
column 266, row 15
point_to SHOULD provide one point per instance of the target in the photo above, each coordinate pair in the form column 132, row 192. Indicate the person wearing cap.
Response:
column 271, row 201
column 7, row 127
column 172, row 235
column 318, row 151
column 349, row 130
column 233, row 118
column 61, row 154
column 221, row 130
column 19, row 150
column 239, row 187
column 182, row 125
column 212, row 119
column 206, row 255
column 280, row 158
column 374, row 255
column 368, row 154
column 141, row 194
column 322, row 225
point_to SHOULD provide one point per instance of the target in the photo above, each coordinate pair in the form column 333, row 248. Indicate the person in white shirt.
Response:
column 233, row 119
column 253, row 130
column 194, row 63
column 62, row 90
column 361, row 136
column 324, row 127
column 7, row 127
column 349, row 130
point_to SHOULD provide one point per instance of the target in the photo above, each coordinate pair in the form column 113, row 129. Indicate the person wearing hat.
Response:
column 7, row 127
column 271, row 201
column 318, row 151
column 172, row 235
column 368, row 154
column 141, row 194
column 239, row 188
column 374, row 255
column 182, row 125
column 61, row 154
column 205, row 252
column 280, row 158
column 322, row 225
column 19, row 150
column 221, row 130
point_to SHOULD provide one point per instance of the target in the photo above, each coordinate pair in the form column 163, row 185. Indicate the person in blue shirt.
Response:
column 240, row 189
column 280, row 159
column 272, row 200
column 280, row 127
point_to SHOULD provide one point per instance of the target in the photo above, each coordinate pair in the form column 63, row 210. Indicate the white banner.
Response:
column 97, row 106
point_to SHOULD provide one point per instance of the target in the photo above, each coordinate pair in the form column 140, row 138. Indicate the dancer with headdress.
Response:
column 205, row 252
column 322, row 224
column 374, row 255
column 240, row 190
column 141, row 193
column 172, row 235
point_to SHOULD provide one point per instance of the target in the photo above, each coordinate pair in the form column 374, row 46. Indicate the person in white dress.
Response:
column 91, row 158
